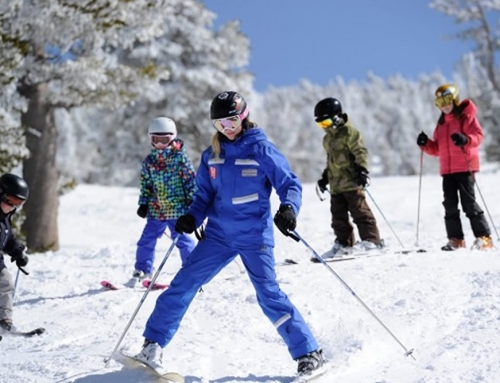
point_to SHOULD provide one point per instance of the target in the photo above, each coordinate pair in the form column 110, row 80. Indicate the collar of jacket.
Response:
column 247, row 136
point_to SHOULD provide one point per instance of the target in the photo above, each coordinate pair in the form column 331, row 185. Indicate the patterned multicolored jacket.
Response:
column 167, row 182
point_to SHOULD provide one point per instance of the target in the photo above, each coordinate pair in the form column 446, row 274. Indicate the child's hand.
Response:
column 142, row 211
column 459, row 139
column 185, row 224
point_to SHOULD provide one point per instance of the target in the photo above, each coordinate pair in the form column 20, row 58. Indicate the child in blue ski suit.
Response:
column 167, row 188
column 235, row 180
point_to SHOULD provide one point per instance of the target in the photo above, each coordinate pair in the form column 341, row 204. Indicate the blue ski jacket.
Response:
column 234, row 190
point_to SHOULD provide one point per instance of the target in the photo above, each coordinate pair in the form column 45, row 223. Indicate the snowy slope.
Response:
column 445, row 306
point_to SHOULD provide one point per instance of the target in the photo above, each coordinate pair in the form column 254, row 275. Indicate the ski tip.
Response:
column 108, row 285
column 173, row 377
column 291, row 261
column 156, row 285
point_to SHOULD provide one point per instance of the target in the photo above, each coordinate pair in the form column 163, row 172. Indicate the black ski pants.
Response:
column 462, row 184
column 353, row 202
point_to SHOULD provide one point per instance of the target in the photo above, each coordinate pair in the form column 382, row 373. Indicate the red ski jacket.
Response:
column 452, row 158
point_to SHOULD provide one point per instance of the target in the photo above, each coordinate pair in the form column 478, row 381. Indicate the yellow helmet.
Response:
column 446, row 94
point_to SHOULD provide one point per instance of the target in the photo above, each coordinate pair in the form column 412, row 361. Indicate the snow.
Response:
column 444, row 305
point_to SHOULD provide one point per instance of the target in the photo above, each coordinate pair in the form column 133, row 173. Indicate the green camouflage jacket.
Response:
column 345, row 149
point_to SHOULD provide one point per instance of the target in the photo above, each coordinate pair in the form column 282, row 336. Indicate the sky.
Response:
column 443, row 305
column 321, row 40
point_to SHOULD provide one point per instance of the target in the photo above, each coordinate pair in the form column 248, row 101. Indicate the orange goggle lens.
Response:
column 328, row 123
column 12, row 201
column 444, row 100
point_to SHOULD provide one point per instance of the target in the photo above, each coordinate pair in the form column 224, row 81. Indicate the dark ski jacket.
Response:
column 345, row 150
column 8, row 244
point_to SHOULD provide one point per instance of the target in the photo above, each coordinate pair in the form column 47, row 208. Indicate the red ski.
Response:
column 110, row 285
column 156, row 285
column 136, row 286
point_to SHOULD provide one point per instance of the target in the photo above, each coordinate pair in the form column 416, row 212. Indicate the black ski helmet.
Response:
column 227, row 104
column 14, row 185
column 327, row 108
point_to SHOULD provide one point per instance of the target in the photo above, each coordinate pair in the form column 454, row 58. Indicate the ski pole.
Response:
column 419, row 192
column 15, row 284
column 381, row 213
column 319, row 193
column 383, row 216
column 479, row 191
column 318, row 257
column 169, row 251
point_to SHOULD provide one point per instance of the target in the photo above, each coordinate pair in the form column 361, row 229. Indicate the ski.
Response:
column 133, row 284
column 25, row 334
column 156, row 285
column 159, row 370
column 355, row 255
column 110, row 286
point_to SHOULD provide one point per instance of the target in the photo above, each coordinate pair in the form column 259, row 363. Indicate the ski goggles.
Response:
column 324, row 124
column 230, row 123
column 441, row 101
column 164, row 138
column 328, row 122
column 12, row 200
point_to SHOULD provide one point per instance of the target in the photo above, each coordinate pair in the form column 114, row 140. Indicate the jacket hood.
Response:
column 468, row 107
column 342, row 122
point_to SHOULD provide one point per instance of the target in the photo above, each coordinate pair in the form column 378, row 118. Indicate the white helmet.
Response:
column 163, row 125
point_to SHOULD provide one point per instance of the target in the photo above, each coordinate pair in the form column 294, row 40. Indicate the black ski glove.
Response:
column 323, row 181
column 361, row 177
column 19, row 256
column 459, row 139
column 142, row 211
column 422, row 139
column 285, row 219
column 185, row 224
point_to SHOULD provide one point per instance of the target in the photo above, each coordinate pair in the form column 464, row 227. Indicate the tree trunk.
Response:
column 40, row 171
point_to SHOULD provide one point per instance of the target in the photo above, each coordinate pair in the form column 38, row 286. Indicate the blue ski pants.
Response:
column 154, row 229
column 207, row 259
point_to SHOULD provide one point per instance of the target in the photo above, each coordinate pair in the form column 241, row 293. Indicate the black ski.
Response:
column 27, row 334
column 350, row 257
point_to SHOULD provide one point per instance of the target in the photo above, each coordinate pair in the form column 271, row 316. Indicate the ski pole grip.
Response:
column 293, row 236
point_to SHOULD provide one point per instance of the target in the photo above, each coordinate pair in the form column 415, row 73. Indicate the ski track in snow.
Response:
column 443, row 305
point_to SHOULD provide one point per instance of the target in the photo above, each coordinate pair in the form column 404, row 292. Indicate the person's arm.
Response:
column 283, row 180
column 16, row 250
column 358, row 149
column 146, row 183
column 472, row 130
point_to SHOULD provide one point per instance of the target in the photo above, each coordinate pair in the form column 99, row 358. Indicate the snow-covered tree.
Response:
column 201, row 61
column 66, row 54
